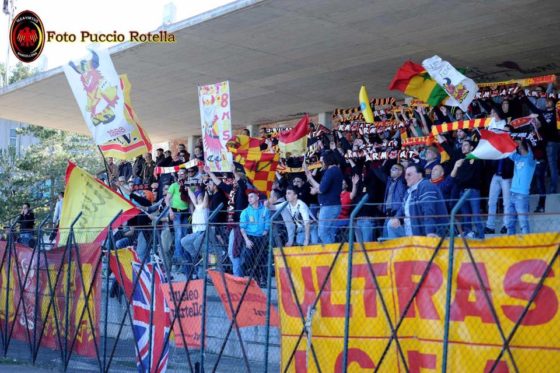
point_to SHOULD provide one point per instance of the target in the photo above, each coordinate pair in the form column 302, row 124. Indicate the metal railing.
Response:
column 60, row 299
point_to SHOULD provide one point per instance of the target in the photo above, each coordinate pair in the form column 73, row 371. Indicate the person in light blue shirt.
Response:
column 254, row 223
column 524, row 168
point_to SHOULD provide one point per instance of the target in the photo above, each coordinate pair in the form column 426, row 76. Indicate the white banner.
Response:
column 461, row 90
column 215, row 120
column 96, row 87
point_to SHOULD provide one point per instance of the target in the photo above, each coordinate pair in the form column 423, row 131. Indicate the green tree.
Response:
column 39, row 174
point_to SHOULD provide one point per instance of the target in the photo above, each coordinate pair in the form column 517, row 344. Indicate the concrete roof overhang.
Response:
column 283, row 58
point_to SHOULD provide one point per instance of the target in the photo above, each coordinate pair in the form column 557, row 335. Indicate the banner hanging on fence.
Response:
column 253, row 308
column 188, row 325
column 215, row 120
column 97, row 89
column 33, row 292
column 510, row 267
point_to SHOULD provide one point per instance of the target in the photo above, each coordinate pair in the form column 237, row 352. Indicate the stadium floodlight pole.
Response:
column 349, row 280
column 205, row 284
column 450, row 277
column 269, row 284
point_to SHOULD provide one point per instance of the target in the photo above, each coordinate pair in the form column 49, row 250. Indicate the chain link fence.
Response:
column 294, row 296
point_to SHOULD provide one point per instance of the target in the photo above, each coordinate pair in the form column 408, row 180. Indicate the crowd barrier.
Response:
column 447, row 303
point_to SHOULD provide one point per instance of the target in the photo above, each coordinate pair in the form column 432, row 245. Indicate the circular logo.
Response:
column 27, row 36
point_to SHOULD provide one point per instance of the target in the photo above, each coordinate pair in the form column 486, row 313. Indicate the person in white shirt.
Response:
column 299, row 215
column 192, row 243
column 56, row 216
column 58, row 210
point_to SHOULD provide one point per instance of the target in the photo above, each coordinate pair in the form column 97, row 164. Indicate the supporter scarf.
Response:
column 169, row 170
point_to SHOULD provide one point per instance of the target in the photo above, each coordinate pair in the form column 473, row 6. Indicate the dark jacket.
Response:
column 428, row 213
column 469, row 176
column 397, row 197
column 125, row 170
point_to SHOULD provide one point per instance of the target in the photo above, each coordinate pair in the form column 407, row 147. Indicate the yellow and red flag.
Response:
column 120, row 262
column 259, row 167
column 97, row 203
column 293, row 143
column 137, row 142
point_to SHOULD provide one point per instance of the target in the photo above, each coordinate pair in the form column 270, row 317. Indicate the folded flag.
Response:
column 293, row 143
column 461, row 90
column 151, row 324
column 493, row 145
column 364, row 105
column 413, row 80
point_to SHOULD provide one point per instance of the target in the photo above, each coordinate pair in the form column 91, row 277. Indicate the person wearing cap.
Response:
column 177, row 199
column 254, row 222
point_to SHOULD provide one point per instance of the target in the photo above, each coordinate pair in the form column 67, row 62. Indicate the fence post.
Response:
column 36, row 311
column 69, row 243
column 349, row 280
column 451, row 253
column 204, row 269
column 110, row 241
column 9, row 245
column 269, row 283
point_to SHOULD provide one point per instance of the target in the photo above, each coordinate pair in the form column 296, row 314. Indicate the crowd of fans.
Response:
column 404, row 196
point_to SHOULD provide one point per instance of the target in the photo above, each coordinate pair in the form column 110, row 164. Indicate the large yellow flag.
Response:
column 137, row 142
column 98, row 204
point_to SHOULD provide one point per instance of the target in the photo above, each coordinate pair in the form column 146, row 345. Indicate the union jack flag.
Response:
column 160, row 327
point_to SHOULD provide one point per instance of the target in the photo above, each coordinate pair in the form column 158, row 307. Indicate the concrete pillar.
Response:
column 325, row 119
column 191, row 142
column 253, row 129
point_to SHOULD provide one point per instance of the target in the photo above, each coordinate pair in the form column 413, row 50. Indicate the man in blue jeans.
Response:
column 329, row 195
column 467, row 174
column 524, row 168
column 254, row 223
column 177, row 198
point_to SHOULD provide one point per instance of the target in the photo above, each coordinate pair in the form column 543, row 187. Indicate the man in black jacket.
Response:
column 467, row 174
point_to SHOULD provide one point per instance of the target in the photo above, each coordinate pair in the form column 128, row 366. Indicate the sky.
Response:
column 103, row 16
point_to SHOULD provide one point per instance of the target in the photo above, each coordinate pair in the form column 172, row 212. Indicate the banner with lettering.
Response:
column 508, row 267
column 97, row 203
column 215, row 120
column 188, row 306
column 252, row 311
column 30, row 293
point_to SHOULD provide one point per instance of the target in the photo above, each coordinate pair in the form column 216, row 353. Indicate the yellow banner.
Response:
column 97, row 203
column 510, row 267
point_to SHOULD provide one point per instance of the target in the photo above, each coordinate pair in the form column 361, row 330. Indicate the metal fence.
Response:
column 64, row 308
